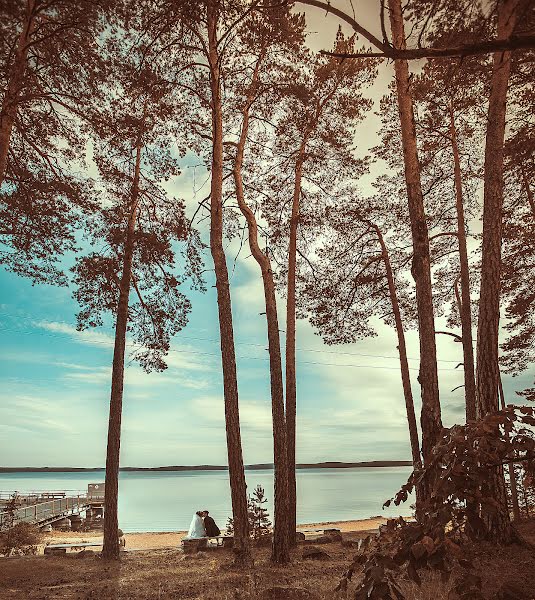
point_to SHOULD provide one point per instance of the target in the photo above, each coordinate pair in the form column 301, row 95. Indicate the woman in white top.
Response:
column 196, row 529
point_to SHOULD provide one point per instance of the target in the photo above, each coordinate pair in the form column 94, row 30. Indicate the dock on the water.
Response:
column 52, row 507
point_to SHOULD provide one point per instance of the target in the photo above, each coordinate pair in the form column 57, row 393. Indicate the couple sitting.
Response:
column 202, row 525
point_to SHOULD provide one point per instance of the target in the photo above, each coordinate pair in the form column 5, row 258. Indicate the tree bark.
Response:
column 280, row 550
column 466, row 305
column 404, row 363
column 17, row 72
column 238, row 487
column 529, row 193
column 291, row 385
column 489, row 301
column 511, row 465
column 431, row 421
column 110, row 549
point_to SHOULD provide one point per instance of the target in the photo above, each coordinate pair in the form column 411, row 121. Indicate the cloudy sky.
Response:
column 55, row 381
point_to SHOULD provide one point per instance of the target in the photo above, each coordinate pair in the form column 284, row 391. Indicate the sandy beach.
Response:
column 157, row 540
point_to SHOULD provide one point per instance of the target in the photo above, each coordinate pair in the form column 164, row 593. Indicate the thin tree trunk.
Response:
column 404, row 363
column 497, row 521
column 17, row 72
column 238, row 487
column 110, row 549
column 511, row 465
column 529, row 193
column 280, row 551
column 466, row 305
column 431, row 421
column 291, row 386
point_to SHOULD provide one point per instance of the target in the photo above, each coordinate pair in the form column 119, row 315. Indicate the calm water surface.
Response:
column 166, row 501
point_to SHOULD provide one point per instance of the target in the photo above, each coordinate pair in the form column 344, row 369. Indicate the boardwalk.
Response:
column 40, row 510
column 46, row 512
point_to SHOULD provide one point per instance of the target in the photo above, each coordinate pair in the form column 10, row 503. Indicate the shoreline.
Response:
column 156, row 540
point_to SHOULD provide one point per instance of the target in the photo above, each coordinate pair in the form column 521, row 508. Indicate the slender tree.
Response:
column 519, row 221
column 356, row 277
column 449, row 96
column 272, row 38
column 431, row 421
column 199, row 39
column 313, row 133
column 134, row 133
column 487, row 370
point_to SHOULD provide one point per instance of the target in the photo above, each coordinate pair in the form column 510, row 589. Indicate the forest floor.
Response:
column 166, row 573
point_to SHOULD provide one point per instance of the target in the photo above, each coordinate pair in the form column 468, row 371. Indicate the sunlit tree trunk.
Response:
column 14, row 86
column 431, row 421
column 238, row 486
column 466, row 305
column 487, row 370
column 280, row 550
column 291, row 386
column 110, row 549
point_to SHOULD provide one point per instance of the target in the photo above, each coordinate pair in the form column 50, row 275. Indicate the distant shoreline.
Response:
column 262, row 466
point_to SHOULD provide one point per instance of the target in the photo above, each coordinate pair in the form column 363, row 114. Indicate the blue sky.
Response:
column 55, row 387
column 55, row 381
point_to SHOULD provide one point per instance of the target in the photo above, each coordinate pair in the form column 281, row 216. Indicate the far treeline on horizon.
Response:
column 323, row 465
column 275, row 234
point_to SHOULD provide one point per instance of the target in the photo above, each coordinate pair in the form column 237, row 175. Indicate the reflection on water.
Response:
column 165, row 501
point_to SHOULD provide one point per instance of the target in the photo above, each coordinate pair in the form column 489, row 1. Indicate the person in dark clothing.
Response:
column 212, row 530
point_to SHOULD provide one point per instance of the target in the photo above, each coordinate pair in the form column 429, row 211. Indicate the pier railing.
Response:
column 43, row 512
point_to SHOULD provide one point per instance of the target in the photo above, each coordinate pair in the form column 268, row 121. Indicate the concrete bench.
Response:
column 54, row 549
column 193, row 545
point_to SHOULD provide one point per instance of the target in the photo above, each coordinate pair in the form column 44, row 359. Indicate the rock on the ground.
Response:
column 311, row 552
column 281, row 592
column 299, row 536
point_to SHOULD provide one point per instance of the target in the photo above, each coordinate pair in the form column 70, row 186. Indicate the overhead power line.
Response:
column 94, row 342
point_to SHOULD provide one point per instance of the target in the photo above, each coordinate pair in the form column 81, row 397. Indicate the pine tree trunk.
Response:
column 16, row 75
column 511, row 465
column 238, row 487
column 291, row 385
column 431, row 421
column 489, row 301
column 404, row 363
column 529, row 193
column 280, row 552
column 466, row 305
column 110, row 549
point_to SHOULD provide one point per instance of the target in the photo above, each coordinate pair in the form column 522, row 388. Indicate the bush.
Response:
column 22, row 538
column 18, row 538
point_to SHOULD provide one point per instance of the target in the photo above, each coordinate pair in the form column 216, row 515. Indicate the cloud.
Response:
column 88, row 336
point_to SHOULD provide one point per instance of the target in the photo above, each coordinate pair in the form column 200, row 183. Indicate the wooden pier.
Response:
column 47, row 508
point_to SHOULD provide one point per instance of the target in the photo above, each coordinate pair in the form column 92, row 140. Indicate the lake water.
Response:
column 166, row 501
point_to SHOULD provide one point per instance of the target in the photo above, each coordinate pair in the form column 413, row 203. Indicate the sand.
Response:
column 156, row 540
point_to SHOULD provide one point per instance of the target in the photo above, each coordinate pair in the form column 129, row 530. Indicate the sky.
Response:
column 55, row 381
